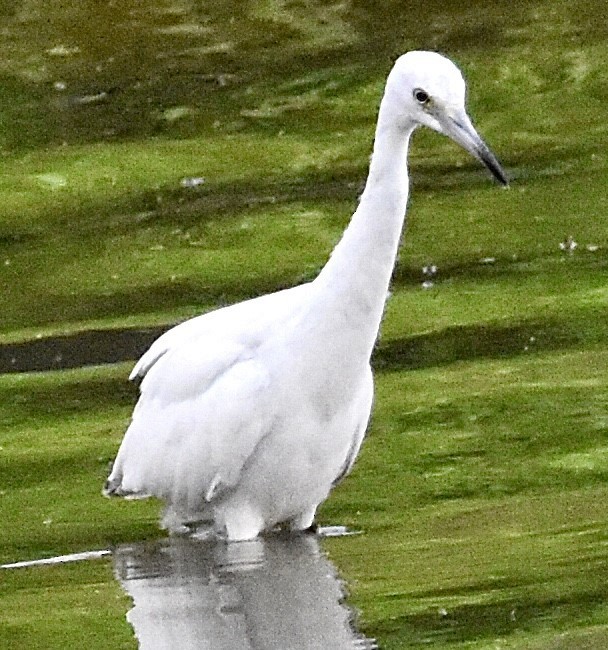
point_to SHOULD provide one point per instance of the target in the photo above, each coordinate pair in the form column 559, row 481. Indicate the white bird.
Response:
column 249, row 415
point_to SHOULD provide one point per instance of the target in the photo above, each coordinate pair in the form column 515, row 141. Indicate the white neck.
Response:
column 353, row 285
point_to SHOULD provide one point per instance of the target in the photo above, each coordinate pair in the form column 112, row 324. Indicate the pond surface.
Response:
column 279, row 592
column 268, row 594
column 81, row 72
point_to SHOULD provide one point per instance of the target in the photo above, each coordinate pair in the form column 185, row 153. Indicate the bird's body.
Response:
column 250, row 414
column 245, row 401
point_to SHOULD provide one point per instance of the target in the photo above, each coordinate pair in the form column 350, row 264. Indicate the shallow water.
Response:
column 272, row 593
column 277, row 592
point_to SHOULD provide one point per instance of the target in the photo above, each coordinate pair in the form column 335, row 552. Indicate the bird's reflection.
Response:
column 274, row 593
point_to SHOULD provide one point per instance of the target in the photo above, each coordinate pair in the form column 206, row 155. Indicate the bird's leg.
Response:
column 241, row 522
column 173, row 521
column 304, row 521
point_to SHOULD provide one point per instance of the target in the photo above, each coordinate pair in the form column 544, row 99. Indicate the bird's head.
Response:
column 430, row 91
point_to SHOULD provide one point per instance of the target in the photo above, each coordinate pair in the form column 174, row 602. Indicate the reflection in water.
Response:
column 273, row 593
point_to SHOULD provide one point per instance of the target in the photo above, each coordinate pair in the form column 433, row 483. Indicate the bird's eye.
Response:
column 421, row 96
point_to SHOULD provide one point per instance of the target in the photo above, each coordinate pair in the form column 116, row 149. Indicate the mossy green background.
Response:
column 482, row 487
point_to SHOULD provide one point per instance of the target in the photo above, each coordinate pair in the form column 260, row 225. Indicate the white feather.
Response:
column 250, row 414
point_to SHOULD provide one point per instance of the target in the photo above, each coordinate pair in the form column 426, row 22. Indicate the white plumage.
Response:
column 248, row 415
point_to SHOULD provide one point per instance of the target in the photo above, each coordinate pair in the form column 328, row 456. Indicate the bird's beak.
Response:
column 457, row 125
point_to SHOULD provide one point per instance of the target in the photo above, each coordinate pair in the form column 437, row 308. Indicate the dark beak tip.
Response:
column 499, row 175
column 494, row 167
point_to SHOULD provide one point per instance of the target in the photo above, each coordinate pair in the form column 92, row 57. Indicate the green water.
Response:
column 482, row 486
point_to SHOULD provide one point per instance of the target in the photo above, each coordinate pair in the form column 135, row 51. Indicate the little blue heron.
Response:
column 250, row 414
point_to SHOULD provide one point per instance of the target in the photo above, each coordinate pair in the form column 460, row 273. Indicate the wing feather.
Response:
column 243, row 321
column 200, row 416
column 204, row 405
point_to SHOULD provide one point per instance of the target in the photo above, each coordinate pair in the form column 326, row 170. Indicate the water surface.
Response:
column 275, row 593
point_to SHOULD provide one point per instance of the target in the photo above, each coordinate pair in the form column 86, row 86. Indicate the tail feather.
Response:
column 114, row 488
